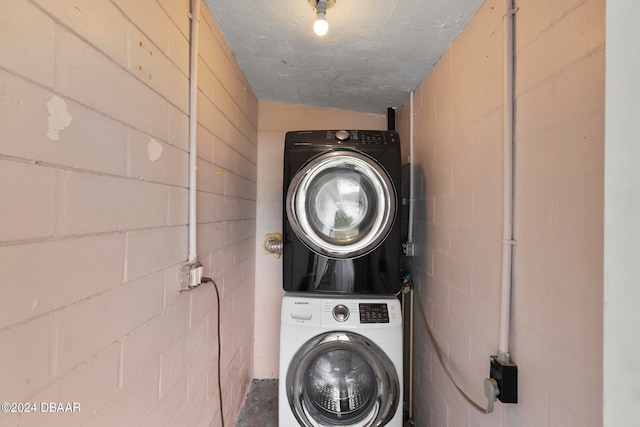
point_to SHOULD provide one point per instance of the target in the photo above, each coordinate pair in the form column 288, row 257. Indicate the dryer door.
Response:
column 341, row 204
column 342, row 379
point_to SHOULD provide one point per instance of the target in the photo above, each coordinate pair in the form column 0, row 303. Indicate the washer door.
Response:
column 342, row 379
column 341, row 204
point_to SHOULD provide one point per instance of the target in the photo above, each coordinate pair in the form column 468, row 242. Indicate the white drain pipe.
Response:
column 193, row 128
column 507, row 230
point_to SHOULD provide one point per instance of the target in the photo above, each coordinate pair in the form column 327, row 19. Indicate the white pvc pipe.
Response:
column 507, row 230
column 193, row 128
column 411, row 166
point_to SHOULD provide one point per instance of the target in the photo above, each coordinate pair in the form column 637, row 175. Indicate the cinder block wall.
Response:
column 557, row 295
column 93, row 183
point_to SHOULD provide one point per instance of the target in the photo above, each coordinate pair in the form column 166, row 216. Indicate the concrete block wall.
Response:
column 556, row 336
column 275, row 120
column 94, row 190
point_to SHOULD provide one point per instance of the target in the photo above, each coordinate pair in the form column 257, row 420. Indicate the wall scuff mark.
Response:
column 59, row 117
column 154, row 150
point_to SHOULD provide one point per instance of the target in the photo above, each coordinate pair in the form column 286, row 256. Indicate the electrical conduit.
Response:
column 412, row 114
column 411, row 166
column 193, row 145
column 507, row 230
column 193, row 127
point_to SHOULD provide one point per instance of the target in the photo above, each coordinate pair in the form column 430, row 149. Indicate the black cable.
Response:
column 409, row 280
column 215, row 286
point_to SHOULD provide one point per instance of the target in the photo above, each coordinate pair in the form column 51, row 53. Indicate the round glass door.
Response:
column 342, row 379
column 341, row 204
column 339, row 384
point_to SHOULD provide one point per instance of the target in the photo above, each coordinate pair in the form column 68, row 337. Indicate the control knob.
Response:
column 340, row 313
column 343, row 136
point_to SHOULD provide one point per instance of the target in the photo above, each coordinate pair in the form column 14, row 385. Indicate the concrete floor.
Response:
column 261, row 406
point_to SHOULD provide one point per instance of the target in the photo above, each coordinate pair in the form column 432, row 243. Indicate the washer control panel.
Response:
column 373, row 313
column 341, row 312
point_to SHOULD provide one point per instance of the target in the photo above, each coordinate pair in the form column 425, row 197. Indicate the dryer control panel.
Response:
column 363, row 136
column 342, row 137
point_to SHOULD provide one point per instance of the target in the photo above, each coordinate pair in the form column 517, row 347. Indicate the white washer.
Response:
column 340, row 361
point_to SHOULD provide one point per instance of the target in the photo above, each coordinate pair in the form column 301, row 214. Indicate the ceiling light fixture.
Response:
column 321, row 26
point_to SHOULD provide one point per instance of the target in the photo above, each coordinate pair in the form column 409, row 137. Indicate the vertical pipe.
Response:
column 402, row 305
column 411, row 166
column 193, row 127
column 410, row 241
column 411, row 353
column 507, row 230
column 391, row 119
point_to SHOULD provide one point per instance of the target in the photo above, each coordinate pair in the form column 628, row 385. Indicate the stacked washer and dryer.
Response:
column 341, row 323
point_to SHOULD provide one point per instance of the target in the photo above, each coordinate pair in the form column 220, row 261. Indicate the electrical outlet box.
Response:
column 195, row 274
column 183, row 277
column 190, row 275
column 408, row 249
column 506, row 375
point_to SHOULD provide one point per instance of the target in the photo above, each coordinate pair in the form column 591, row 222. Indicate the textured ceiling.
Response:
column 376, row 51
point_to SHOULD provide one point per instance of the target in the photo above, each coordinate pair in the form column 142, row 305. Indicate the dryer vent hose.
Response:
column 272, row 244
